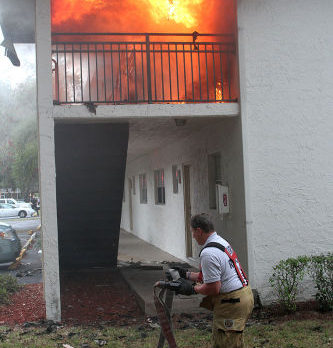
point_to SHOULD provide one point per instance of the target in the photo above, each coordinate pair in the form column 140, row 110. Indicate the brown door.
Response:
column 130, row 208
column 187, row 209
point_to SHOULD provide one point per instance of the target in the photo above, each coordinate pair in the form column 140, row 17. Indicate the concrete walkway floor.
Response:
column 141, row 265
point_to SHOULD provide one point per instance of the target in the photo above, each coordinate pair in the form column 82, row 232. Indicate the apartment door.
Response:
column 187, row 209
column 130, row 207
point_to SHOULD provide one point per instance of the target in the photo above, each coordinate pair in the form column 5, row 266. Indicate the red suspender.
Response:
column 200, row 277
column 241, row 274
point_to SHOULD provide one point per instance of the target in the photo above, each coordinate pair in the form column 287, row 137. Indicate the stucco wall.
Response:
column 286, row 76
column 163, row 225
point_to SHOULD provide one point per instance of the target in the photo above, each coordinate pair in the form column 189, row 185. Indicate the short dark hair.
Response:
column 202, row 221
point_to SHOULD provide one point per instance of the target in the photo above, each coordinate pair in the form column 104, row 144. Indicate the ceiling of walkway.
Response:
column 147, row 135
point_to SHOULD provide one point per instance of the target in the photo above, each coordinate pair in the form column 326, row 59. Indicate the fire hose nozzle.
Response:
column 160, row 284
column 174, row 286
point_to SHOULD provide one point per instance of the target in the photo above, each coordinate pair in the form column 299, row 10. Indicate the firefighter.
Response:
column 222, row 280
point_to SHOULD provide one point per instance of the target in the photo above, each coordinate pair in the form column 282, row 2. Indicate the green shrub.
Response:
column 4, row 296
column 287, row 275
column 8, row 285
column 321, row 270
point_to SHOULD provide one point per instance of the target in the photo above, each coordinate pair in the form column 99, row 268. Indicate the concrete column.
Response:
column 243, row 100
column 47, row 161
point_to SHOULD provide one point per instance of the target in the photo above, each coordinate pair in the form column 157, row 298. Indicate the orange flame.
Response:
column 184, row 12
column 74, row 9
column 218, row 90
column 171, row 8
column 180, row 11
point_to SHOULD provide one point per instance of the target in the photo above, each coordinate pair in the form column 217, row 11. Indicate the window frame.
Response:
column 175, row 178
column 214, row 177
column 143, row 188
column 133, row 185
column 159, row 186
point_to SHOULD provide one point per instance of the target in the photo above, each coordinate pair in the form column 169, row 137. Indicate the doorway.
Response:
column 130, row 206
column 187, row 209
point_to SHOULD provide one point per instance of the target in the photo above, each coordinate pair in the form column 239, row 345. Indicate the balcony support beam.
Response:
column 121, row 112
column 46, row 162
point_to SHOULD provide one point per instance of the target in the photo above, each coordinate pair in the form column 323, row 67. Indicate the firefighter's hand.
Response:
column 185, row 288
column 182, row 271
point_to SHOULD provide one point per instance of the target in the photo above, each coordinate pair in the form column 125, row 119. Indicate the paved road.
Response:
column 23, row 223
column 29, row 271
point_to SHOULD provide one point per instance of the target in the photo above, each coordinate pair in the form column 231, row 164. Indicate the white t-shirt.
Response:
column 217, row 266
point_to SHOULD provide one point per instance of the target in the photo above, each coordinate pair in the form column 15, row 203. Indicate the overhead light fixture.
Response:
column 180, row 122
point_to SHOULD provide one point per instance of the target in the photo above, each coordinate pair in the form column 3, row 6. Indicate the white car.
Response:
column 15, row 203
column 7, row 210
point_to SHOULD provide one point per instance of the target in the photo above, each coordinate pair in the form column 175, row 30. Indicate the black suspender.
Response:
column 213, row 244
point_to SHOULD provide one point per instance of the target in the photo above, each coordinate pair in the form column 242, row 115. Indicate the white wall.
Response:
column 286, row 75
column 163, row 225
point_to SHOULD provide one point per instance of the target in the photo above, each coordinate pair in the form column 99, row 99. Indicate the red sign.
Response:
column 225, row 199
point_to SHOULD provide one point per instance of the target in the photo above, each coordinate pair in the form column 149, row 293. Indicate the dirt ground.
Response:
column 92, row 298
column 97, row 296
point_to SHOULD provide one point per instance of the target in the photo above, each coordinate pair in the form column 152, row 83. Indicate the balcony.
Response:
column 133, row 68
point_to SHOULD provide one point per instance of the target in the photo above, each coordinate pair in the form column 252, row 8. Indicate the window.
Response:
column 133, row 184
column 214, row 177
column 143, row 188
column 175, row 174
column 159, row 186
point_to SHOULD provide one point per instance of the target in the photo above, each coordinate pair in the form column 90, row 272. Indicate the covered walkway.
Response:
column 141, row 265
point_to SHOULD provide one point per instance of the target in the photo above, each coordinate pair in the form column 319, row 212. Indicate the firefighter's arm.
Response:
column 208, row 289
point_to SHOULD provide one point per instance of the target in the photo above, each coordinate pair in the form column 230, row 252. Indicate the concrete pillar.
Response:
column 47, row 161
column 243, row 99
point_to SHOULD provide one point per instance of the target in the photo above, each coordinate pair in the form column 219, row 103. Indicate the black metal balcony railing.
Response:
column 142, row 68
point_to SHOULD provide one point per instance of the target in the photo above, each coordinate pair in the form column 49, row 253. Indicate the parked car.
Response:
column 7, row 210
column 15, row 203
column 10, row 245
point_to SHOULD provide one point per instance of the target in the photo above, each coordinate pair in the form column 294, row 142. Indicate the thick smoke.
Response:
column 17, row 19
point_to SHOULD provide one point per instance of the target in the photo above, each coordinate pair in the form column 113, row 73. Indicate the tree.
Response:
column 25, row 163
column 18, row 136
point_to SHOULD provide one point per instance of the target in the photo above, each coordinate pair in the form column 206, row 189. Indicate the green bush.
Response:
column 8, row 285
column 4, row 296
column 287, row 274
column 321, row 270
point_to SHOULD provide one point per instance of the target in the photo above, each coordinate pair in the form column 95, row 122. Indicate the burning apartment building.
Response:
column 151, row 111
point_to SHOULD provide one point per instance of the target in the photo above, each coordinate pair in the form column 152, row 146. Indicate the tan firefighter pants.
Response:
column 230, row 313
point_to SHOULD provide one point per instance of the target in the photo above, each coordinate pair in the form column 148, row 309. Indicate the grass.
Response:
column 292, row 334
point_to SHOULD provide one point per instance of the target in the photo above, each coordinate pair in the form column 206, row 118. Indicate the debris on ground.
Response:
column 103, row 298
column 27, row 245
column 28, row 273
